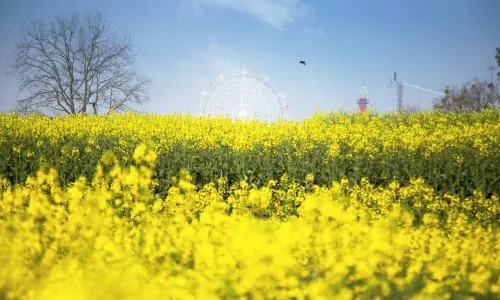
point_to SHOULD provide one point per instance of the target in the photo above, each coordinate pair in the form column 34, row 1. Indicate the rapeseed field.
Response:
column 337, row 206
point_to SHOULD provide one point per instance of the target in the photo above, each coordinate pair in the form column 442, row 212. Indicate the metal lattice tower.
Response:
column 363, row 100
column 399, row 91
column 400, row 96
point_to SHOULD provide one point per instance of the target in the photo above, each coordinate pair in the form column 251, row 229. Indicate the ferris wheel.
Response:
column 240, row 95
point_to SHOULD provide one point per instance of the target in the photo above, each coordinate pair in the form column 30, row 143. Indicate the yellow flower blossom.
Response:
column 181, row 207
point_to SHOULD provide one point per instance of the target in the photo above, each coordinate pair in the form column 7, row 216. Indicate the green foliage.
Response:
column 497, row 57
column 453, row 153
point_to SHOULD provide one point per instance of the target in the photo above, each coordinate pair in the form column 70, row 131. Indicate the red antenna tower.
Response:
column 363, row 101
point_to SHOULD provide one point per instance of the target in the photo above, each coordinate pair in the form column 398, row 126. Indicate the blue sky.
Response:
column 184, row 44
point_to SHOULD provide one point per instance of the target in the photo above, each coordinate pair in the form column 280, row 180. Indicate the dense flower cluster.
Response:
column 453, row 153
column 112, row 237
column 338, row 206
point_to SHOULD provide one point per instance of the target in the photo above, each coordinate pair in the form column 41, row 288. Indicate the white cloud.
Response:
column 274, row 12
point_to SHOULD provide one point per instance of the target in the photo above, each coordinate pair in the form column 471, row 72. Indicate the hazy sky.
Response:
column 184, row 44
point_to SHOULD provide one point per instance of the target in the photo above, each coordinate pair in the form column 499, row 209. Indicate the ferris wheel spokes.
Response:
column 239, row 95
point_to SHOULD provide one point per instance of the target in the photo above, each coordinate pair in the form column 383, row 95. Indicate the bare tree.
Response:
column 410, row 108
column 474, row 96
column 70, row 64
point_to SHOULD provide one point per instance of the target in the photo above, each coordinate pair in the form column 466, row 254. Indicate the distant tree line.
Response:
column 475, row 95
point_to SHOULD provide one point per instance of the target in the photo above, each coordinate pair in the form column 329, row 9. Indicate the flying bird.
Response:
column 302, row 62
